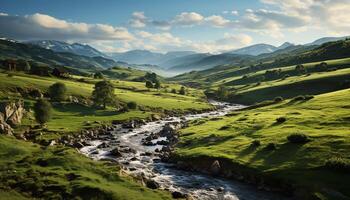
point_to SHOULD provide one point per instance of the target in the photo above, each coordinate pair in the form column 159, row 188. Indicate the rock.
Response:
column 215, row 168
column 52, row 143
column 103, row 145
column 152, row 184
column 12, row 112
column 220, row 189
column 178, row 195
column 134, row 159
column 6, row 129
column 163, row 142
column 115, row 152
column 78, row 145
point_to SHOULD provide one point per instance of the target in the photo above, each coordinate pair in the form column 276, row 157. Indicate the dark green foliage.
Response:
column 281, row 119
column 173, row 90
column 338, row 164
column 103, row 94
column 151, row 77
column 157, row 84
column 42, row 111
column 298, row 138
column 278, row 99
column 256, row 143
column 132, row 105
column 58, row 92
column 300, row 69
column 299, row 98
column 270, row 146
column 222, row 93
column 149, row 84
column 98, row 75
column 182, row 91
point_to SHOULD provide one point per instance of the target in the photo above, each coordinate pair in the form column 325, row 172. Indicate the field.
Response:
column 29, row 170
column 323, row 119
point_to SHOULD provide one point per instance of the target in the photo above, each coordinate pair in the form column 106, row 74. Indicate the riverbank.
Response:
column 253, row 146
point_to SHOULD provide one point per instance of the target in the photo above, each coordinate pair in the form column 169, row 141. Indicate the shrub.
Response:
column 98, row 75
column 270, row 146
column 149, row 84
column 42, row 111
column 57, row 92
column 298, row 138
column 173, row 90
column 10, row 75
column 278, row 99
column 182, row 91
column 256, row 143
column 132, row 105
column 299, row 98
column 338, row 164
column 281, row 119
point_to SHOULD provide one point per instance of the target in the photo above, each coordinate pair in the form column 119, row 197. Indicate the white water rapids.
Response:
column 145, row 161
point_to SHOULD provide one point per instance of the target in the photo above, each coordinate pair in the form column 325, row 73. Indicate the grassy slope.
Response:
column 325, row 119
column 22, row 170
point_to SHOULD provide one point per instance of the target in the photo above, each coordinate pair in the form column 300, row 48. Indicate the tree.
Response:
column 300, row 68
column 103, row 94
column 149, row 84
column 98, row 75
column 151, row 77
column 157, row 84
column 132, row 105
column 58, row 92
column 182, row 91
column 42, row 111
column 222, row 92
column 173, row 90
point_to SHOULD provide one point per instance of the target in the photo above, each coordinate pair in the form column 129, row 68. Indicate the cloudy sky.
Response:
column 171, row 25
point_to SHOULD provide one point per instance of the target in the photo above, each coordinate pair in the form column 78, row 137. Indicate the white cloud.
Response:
column 138, row 20
column 40, row 26
column 188, row 19
column 217, row 21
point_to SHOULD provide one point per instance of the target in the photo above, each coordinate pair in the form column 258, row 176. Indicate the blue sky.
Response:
column 164, row 25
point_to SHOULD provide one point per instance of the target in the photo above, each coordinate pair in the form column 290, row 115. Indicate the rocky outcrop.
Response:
column 11, row 114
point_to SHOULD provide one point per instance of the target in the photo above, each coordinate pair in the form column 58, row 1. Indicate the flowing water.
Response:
column 143, row 161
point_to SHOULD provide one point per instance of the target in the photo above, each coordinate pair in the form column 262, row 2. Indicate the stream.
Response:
column 139, row 160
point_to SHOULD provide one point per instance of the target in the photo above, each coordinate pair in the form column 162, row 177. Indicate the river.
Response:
column 143, row 161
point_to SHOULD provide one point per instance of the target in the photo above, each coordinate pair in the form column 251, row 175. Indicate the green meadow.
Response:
column 324, row 119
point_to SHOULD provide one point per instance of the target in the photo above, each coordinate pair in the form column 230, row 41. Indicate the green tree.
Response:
column 222, row 92
column 98, row 75
column 173, row 90
column 132, row 105
column 42, row 111
column 58, row 92
column 149, row 84
column 103, row 94
column 157, row 84
column 182, row 91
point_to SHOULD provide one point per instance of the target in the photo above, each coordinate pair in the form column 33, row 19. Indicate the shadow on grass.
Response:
column 206, row 141
column 284, row 153
column 83, row 110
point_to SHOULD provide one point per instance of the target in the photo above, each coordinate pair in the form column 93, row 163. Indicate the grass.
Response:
column 28, row 170
column 323, row 119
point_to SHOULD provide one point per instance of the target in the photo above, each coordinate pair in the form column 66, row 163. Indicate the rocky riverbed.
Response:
column 142, row 149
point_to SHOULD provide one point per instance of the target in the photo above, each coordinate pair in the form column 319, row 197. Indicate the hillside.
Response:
column 75, row 48
column 17, row 50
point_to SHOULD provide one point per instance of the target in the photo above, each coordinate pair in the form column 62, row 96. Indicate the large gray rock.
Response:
column 12, row 112
column 5, row 129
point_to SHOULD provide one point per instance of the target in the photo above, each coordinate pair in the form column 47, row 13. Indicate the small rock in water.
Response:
column 220, row 189
column 178, row 195
column 152, row 184
column 115, row 152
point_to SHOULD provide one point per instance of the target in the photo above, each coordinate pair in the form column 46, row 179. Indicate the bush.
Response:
column 98, row 75
column 338, row 164
column 281, row 119
column 132, row 105
column 182, row 91
column 299, row 98
column 57, row 92
column 256, row 143
column 278, row 99
column 173, row 91
column 42, row 111
column 298, row 138
column 270, row 146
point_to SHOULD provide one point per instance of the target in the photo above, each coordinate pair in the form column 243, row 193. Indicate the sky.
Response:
column 174, row 25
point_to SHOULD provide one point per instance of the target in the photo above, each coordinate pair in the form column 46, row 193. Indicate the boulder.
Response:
column 6, row 129
column 152, row 184
column 115, row 152
column 78, row 145
column 215, row 167
column 12, row 112
column 178, row 195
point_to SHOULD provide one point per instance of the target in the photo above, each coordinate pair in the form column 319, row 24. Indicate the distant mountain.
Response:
column 136, row 57
column 16, row 50
column 325, row 40
column 254, row 50
column 76, row 48
column 209, row 61
column 183, row 60
column 285, row 45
